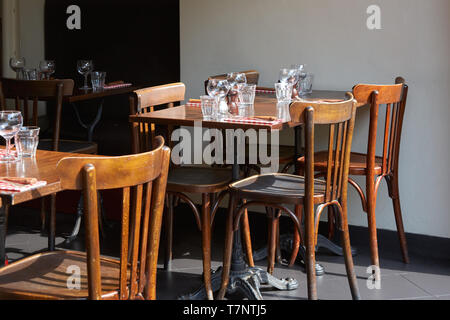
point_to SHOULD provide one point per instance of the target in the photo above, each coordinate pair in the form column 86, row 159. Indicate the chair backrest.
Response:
column 24, row 91
column 251, row 75
column 143, row 178
column 394, row 98
column 340, row 119
column 145, row 100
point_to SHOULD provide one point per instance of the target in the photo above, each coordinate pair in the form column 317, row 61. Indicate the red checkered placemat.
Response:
column 10, row 186
column 254, row 121
column 117, row 86
column 269, row 91
column 196, row 103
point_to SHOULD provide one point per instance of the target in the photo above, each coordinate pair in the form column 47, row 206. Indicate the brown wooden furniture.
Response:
column 375, row 167
column 55, row 91
column 210, row 183
column 143, row 179
column 41, row 168
column 275, row 190
column 265, row 105
column 24, row 91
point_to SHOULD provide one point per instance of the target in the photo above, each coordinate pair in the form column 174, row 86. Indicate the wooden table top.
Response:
column 42, row 168
column 83, row 95
column 265, row 105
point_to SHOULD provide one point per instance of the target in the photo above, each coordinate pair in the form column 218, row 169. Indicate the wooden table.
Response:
column 42, row 168
column 265, row 105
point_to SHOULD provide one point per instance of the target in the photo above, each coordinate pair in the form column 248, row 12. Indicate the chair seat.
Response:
column 70, row 146
column 46, row 276
column 282, row 188
column 198, row 179
column 358, row 163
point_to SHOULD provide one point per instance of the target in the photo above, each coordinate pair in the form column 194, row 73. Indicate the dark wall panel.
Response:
column 136, row 41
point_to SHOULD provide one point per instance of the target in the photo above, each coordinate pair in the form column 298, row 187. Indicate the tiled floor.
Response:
column 427, row 277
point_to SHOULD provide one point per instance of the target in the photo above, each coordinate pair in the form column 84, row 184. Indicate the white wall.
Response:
column 331, row 37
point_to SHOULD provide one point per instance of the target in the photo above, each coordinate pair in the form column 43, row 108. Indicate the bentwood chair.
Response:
column 277, row 190
column 88, row 275
column 210, row 183
column 25, row 91
column 374, row 167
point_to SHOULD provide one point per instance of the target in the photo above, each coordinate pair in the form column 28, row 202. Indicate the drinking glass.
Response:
column 283, row 111
column 305, row 85
column 301, row 69
column 236, row 80
column 289, row 75
column 98, row 80
column 84, row 67
column 27, row 141
column 284, row 91
column 17, row 64
column 10, row 124
column 208, row 107
column 47, row 68
column 30, row 74
column 219, row 89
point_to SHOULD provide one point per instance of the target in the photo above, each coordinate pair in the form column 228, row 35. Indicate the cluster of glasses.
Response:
column 44, row 72
column 26, row 138
column 241, row 97
column 85, row 68
column 294, row 81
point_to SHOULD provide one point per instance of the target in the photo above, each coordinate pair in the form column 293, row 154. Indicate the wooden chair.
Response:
column 374, row 167
column 25, row 91
column 276, row 190
column 50, row 275
column 210, row 183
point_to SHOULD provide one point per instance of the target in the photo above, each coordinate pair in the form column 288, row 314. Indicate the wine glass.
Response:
column 85, row 67
column 219, row 89
column 236, row 80
column 10, row 124
column 47, row 67
column 17, row 64
column 290, row 75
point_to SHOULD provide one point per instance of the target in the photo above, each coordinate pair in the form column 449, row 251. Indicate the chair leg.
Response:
column 351, row 275
column 228, row 247
column 273, row 221
column 371, row 208
column 310, row 258
column 206, row 244
column 296, row 240
column 247, row 239
column 168, row 227
column 395, row 196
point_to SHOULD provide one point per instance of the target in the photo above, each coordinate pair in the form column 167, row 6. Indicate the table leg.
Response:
column 3, row 228
column 243, row 279
column 89, row 126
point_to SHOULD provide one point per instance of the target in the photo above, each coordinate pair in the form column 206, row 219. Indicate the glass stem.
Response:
column 85, row 81
column 8, row 147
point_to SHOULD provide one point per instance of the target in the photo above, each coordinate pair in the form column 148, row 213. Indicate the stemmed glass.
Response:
column 219, row 89
column 17, row 64
column 85, row 67
column 47, row 67
column 291, row 76
column 236, row 80
column 10, row 124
